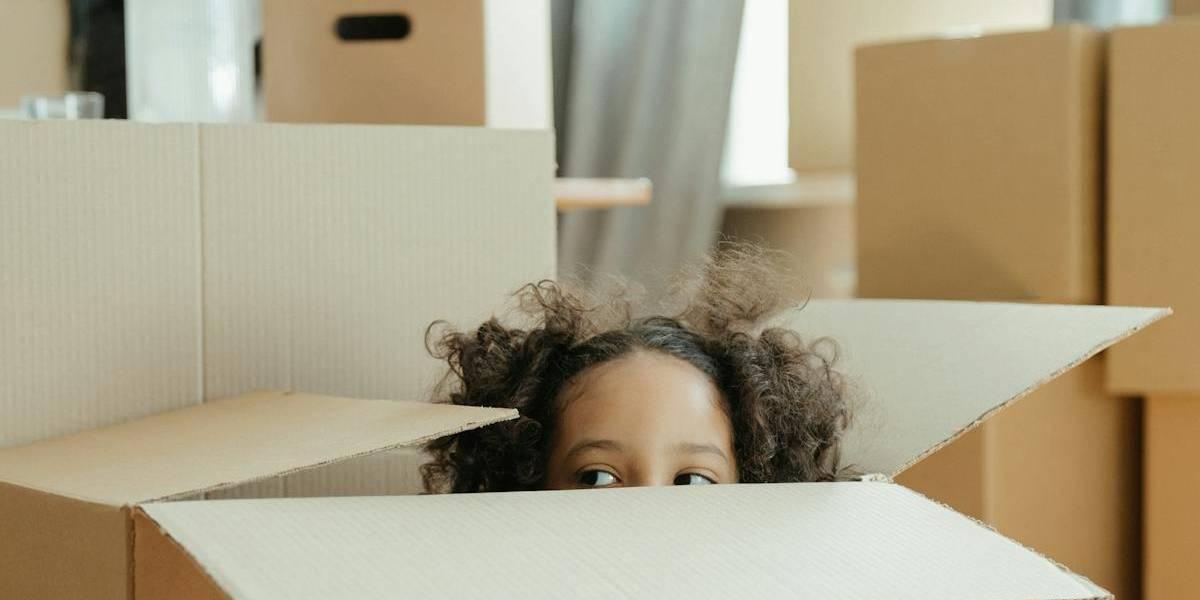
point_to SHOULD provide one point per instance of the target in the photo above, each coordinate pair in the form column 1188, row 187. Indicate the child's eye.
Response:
column 597, row 478
column 692, row 479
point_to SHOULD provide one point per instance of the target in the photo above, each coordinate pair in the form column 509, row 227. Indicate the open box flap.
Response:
column 227, row 442
column 922, row 373
column 806, row 540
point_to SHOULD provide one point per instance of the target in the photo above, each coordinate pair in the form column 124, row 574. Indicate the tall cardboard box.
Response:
column 174, row 264
column 1154, row 147
column 979, row 176
column 467, row 62
column 34, row 40
column 1153, row 185
column 979, row 167
column 822, row 36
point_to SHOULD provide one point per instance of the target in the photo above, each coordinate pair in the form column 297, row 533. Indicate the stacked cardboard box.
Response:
column 471, row 62
column 1154, row 186
column 979, row 177
column 822, row 37
column 811, row 219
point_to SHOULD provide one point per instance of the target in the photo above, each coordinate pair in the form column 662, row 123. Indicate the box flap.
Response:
column 924, row 372
column 806, row 540
column 227, row 442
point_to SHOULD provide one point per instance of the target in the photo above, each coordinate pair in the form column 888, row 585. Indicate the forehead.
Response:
column 644, row 394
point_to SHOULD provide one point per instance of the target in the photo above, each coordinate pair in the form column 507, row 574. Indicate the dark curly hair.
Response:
column 785, row 401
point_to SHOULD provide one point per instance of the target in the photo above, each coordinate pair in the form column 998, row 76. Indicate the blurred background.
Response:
column 1025, row 150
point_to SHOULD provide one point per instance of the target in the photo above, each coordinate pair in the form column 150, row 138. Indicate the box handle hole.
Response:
column 365, row 28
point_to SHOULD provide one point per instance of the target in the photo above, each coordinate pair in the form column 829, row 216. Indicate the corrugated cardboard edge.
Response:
column 201, row 584
column 1102, row 594
column 501, row 416
column 195, row 568
column 1159, row 315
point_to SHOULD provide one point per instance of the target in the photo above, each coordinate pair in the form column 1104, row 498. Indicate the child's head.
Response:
column 606, row 399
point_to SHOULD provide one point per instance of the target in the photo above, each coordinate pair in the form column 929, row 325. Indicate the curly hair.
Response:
column 784, row 399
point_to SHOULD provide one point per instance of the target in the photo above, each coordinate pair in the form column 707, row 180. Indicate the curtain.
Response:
column 642, row 90
column 1111, row 13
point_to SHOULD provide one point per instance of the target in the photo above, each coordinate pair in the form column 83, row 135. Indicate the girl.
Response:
column 707, row 395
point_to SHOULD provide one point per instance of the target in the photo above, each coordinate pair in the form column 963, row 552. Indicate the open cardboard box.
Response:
column 924, row 372
column 67, row 530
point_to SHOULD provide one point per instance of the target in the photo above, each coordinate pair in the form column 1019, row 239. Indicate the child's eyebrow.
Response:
column 699, row 448
column 591, row 444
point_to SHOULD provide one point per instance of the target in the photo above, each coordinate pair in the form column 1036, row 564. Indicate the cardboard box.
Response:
column 821, row 41
column 68, row 502
column 469, row 62
column 979, row 167
column 979, row 177
column 33, row 50
column 923, row 372
column 1072, row 437
column 145, row 268
column 1172, row 493
column 1185, row 7
column 1153, row 183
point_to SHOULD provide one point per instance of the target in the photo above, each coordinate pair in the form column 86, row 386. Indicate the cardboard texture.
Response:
column 964, row 196
column 822, row 37
column 178, row 263
column 474, row 62
column 66, row 500
column 1153, row 183
column 907, row 362
column 33, row 50
column 100, row 291
column 761, row 541
column 1071, row 437
column 1172, row 493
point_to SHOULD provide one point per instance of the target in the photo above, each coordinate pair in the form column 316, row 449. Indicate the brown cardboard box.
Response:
column 1172, row 488
column 1070, row 437
column 822, row 36
column 979, row 177
column 67, row 502
column 1185, row 7
column 468, row 62
column 33, row 50
column 930, row 371
column 1153, row 188
column 979, row 167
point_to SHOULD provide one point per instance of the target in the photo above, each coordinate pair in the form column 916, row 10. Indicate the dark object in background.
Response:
column 98, row 51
